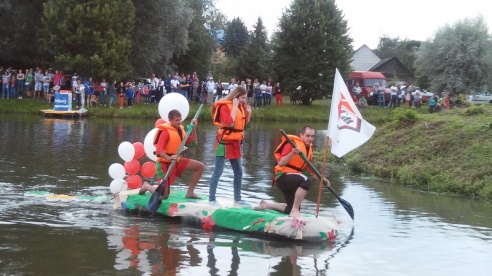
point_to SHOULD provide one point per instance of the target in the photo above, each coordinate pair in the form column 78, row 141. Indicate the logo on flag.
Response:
column 348, row 118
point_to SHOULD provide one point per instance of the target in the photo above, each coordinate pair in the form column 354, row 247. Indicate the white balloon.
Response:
column 115, row 186
column 126, row 151
column 173, row 101
column 149, row 144
column 116, row 171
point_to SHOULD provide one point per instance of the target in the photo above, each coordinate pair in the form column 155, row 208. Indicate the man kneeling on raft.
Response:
column 167, row 141
column 290, row 173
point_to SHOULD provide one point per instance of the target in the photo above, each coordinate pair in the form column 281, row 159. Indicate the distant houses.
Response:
column 364, row 59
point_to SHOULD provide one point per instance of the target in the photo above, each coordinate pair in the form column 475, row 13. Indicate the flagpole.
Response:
column 321, row 183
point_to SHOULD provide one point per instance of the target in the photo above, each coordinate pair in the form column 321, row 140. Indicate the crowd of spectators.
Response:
column 36, row 83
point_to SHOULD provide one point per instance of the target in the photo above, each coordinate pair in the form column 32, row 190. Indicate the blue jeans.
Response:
column 20, row 87
column 111, row 100
column 5, row 90
column 381, row 100
column 219, row 168
column 12, row 92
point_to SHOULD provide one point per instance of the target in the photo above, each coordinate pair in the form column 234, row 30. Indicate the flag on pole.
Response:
column 346, row 128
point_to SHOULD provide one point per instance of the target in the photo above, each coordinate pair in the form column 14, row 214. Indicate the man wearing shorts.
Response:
column 167, row 141
column 291, row 174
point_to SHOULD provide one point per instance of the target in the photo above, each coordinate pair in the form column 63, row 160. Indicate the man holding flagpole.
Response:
column 347, row 130
column 291, row 173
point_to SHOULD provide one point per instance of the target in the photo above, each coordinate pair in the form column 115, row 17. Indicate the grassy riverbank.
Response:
column 448, row 152
column 317, row 112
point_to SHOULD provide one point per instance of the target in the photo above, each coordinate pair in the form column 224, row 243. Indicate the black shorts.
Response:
column 288, row 184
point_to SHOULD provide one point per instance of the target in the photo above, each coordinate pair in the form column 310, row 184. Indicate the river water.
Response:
column 396, row 231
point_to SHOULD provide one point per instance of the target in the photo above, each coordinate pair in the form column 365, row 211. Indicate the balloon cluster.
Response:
column 126, row 176
column 130, row 153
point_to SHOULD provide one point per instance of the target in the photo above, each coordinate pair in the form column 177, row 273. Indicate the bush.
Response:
column 403, row 116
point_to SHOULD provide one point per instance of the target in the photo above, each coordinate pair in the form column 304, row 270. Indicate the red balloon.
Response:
column 148, row 169
column 134, row 181
column 132, row 167
column 139, row 150
column 159, row 122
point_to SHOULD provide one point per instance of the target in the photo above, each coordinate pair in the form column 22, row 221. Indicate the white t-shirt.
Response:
column 175, row 83
column 263, row 88
column 210, row 86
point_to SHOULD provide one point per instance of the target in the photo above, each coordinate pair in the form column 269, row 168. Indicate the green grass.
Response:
column 448, row 152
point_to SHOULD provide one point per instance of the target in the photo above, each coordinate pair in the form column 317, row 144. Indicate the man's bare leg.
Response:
column 272, row 206
column 197, row 168
column 300, row 195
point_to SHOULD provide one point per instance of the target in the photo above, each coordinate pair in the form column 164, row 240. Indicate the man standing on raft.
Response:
column 290, row 173
column 166, row 141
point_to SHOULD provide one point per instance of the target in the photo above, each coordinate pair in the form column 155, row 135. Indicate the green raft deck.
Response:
column 226, row 215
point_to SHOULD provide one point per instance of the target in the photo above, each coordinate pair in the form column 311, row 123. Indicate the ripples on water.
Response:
column 396, row 231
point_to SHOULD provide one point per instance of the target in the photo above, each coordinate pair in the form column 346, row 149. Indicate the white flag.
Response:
column 346, row 128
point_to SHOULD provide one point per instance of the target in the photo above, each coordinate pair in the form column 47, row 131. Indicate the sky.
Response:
column 368, row 20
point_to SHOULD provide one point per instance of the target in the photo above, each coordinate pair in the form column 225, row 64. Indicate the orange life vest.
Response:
column 230, row 133
column 296, row 164
column 175, row 139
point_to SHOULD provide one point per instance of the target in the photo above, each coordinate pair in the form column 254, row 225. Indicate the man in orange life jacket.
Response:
column 167, row 141
column 290, row 173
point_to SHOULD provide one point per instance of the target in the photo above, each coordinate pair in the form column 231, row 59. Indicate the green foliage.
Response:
column 459, row 57
column 160, row 33
column 89, row 37
column 236, row 37
column 475, row 110
column 201, row 41
column 446, row 152
column 254, row 60
column 20, row 22
column 404, row 116
column 311, row 43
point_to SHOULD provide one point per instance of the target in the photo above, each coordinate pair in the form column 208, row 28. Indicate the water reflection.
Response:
column 169, row 252
column 398, row 231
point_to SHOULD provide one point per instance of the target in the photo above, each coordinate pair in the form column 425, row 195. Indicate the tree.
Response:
column 253, row 61
column 201, row 42
column 90, row 37
column 20, row 22
column 160, row 33
column 236, row 36
column 311, row 43
column 459, row 57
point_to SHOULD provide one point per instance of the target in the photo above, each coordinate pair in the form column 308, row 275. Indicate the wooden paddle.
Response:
column 345, row 204
column 154, row 201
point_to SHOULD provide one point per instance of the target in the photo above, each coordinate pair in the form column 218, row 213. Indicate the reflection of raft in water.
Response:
column 229, row 216
column 51, row 197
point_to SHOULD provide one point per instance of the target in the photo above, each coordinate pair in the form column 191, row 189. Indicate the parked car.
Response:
column 481, row 98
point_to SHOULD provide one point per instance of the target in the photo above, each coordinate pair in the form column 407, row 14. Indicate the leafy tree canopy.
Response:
column 236, row 36
column 311, row 43
column 253, row 61
column 459, row 58
column 90, row 37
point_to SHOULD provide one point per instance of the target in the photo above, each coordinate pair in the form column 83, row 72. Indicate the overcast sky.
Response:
column 370, row 19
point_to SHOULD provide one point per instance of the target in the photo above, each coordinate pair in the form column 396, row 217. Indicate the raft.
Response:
column 226, row 215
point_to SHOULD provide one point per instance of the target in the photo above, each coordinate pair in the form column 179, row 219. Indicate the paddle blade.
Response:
column 155, row 200
column 348, row 207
